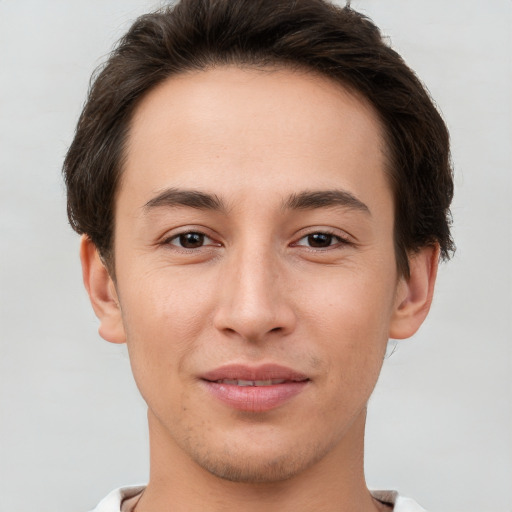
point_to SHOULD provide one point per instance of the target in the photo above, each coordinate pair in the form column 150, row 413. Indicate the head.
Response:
column 264, row 189
column 316, row 36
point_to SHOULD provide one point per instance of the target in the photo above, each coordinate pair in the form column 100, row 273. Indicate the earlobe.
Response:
column 102, row 293
column 414, row 295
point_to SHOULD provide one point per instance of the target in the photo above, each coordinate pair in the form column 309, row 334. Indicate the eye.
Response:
column 321, row 240
column 190, row 240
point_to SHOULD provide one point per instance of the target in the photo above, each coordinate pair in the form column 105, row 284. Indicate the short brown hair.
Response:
column 336, row 42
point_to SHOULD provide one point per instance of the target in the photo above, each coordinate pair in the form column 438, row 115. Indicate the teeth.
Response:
column 241, row 382
column 269, row 382
column 263, row 382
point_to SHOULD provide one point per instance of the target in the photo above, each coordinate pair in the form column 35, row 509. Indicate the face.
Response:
column 256, row 278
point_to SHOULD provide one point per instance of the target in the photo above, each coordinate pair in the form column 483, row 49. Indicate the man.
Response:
column 263, row 192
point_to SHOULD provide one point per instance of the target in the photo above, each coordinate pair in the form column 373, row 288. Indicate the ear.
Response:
column 102, row 293
column 414, row 295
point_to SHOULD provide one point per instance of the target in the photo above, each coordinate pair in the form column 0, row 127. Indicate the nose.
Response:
column 254, row 299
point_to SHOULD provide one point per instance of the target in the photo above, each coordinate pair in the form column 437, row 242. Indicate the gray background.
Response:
column 72, row 425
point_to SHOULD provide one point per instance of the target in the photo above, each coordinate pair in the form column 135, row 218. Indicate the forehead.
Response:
column 253, row 129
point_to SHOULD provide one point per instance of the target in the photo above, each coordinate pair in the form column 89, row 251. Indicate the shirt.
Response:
column 124, row 499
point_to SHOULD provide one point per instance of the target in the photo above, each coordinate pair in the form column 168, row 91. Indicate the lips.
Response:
column 254, row 389
column 260, row 373
column 241, row 382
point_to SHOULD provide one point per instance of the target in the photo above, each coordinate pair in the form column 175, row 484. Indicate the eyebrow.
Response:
column 306, row 200
column 309, row 200
column 173, row 197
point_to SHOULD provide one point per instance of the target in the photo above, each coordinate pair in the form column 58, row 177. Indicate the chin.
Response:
column 247, row 471
column 258, row 467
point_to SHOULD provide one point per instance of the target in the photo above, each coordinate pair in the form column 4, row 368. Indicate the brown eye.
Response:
column 191, row 240
column 320, row 240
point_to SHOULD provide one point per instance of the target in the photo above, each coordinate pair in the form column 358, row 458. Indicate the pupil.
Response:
column 320, row 240
column 191, row 240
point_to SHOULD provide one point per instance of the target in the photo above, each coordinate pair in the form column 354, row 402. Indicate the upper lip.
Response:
column 253, row 373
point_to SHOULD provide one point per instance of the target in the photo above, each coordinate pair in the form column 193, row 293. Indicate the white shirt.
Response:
column 125, row 498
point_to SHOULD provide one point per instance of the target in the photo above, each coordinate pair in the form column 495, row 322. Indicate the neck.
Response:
column 334, row 483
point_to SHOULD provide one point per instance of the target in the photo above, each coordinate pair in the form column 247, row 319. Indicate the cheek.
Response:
column 349, row 316
column 166, row 301
column 354, row 304
column 163, row 320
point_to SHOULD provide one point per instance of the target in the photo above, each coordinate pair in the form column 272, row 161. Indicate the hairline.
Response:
column 270, row 66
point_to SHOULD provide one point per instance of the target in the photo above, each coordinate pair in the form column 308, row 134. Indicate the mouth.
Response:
column 243, row 383
column 246, row 375
column 255, row 389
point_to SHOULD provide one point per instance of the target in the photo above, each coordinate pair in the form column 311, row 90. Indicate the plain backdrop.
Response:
column 72, row 425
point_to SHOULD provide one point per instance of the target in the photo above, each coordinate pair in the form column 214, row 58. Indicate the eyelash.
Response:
column 169, row 241
column 340, row 240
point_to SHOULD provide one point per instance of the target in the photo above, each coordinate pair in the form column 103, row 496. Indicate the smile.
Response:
column 254, row 389
column 240, row 382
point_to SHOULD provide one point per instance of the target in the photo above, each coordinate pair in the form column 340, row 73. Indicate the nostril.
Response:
column 276, row 329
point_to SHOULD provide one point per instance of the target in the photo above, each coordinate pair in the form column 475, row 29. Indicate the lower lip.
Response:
column 255, row 398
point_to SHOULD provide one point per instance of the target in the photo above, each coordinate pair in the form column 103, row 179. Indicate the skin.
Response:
column 254, row 290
